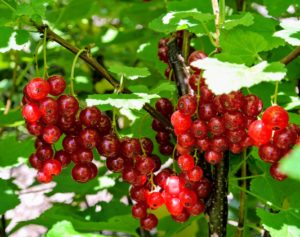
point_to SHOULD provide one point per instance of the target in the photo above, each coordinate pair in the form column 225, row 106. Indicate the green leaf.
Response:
column 232, row 21
column 13, row 118
column 114, row 216
column 290, row 165
column 66, row 229
column 133, row 101
column 11, row 39
column 12, row 149
column 179, row 20
column 289, row 32
column 230, row 77
column 278, row 7
column 285, row 223
column 5, row 33
column 8, row 197
column 241, row 46
column 131, row 73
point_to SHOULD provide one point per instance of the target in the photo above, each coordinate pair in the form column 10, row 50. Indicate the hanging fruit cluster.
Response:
column 275, row 137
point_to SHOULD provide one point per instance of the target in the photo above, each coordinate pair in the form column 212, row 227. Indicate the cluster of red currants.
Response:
column 213, row 124
column 163, row 136
column 274, row 137
column 48, row 118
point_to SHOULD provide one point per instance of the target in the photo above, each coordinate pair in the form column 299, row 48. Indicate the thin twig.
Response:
column 101, row 70
column 291, row 56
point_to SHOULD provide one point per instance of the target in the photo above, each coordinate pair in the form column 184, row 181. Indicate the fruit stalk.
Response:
column 100, row 69
column 218, row 208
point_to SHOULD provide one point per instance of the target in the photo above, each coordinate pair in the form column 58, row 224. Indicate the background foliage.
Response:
column 123, row 36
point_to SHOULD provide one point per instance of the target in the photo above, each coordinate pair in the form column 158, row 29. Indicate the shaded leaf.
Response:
column 8, row 198
column 131, row 73
column 290, row 165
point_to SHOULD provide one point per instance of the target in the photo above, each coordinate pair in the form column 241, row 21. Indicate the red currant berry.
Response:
column 104, row 126
column 37, row 89
column 206, row 94
column 199, row 129
column 149, row 222
column 252, row 106
column 138, row 194
column 31, row 112
column 196, row 55
column 236, row 136
column 181, row 121
column 71, row 143
column 236, row 148
column 35, row 129
column 174, row 185
column 158, row 126
column 81, row 172
column 166, row 149
column 52, row 167
column 186, row 162
column 35, row 162
column 174, row 205
column 233, row 101
column 182, row 217
column 57, row 84
column 285, row 138
column 84, row 155
column 139, row 210
column 162, row 138
column 43, row 178
column 90, row 116
column 145, row 165
column 219, row 144
column 93, row 170
column 196, row 209
column 269, row 153
column 89, row 138
column 206, row 111
column 187, row 105
column 44, row 152
column 216, row 126
column 213, row 157
column 203, row 188
column 259, row 132
column 161, row 178
column 130, row 175
column 51, row 134
column 188, row 198
column 63, row 157
column 155, row 200
column 109, row 146
column 275, row 117
column 67, row 105
column 203, row 144
column 195, row 174
column 48, row 107
column 115, row 164
column 147, row 145
column 234, row 121
column 164, row 106
column 276, row 173
column 186, row 140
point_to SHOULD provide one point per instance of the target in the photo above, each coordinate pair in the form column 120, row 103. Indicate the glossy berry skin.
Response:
column 35, row 162
column 115, row 164
column 235, row 148
column 275, row 117
column 37, row 88
column 90, row 116
column 259, row 132
column 196, row 55
column 186, row 162
column 187, row 105
column 203, row 188
column 48, row 107
column 157, row 126
column 57, row 85
column 195, row 174
column 199, row 129
column 93, row 170
column 149, row 222
column 269, row 153
column 155, row 200
column 89, row 138
column 157, row 162
column 109, row 146
column 174, row 205
column 104, row 126
column 276, row 173
column 39, row 142
column 219, row 144
column 233, row 101
column 130, row 175
column 81, row 173
column 188, row 198
column 44, row 152
column 52, row 167
column 194, row 81
column 285, row 138
column 71, row 143
column 206, row 94
column 162, row 138
column 236, row 136
column 186, row 140
column 182, row 217
column 216, row 126
column 218, row 105
column 174, row 185
column 206, row 111
column 166, row 149
column 139, row 210
column 252, row 106
column 234, row 121
column 161, row 178
column 147, row 145
column 196, row 209
column 138, row 194
column 164, row 106
column 51, row 134
column 35, row 129
column 67, row 105
column 145, row 165
column 181, row 121
column 31, row 112
column 43, row 178
column 85, row 155
column 213, row 157
column 203, row 144
column 63, row 157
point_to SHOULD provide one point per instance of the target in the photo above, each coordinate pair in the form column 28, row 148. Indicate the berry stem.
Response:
column 173, row 157
column 36, row 53
column 8, row 5
column 248, row 177
column 275, row 92
column 243, row 197
column 45, row 73
column 73, row 70
column 186, row 45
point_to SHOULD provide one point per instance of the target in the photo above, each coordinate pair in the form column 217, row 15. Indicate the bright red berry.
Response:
column 188, row 198
column 186, row 162
column 43, row 178
column 149, row 222
column 259, row 132
column 174, row 185
column 35, row 129
column 195, row 174
column 275, row 117
column 57, row 84
column 187, row 105
column 51, row 134
column 37, row 88
column 52, row 167
column 155, row 200
column 31, row 112
column 90, row 116
column 199, row 129
column 181, row 121
column 67, row 105
column 174, row 205
column 139, row 210
column 213, row 157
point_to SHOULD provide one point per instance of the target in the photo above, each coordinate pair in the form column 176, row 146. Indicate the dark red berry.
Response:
column 84, row 155
column 219, row 144
column 48, row 107
column 213, row 157
column 44, row 152
column 164, row 106
column 196, row 209
column 145, row 165
column 252, row 106
column 81, row 172
column 162, row 138
column 104, row 126
column 115, row 164
column 138, row 194
column 35, row 129
column 234, row 121
column 139, row 210
column 71, row 143
column 206, row 94
column 187, row 105
column 166, row 149
column 35, row 162
column 109, row 146
column 90, row 116
column 43, row 178
column 57, row 84
column 67, row 105
column 51, row 134
column 233, row 101
column 157, row 126
column 196, row 55
column 203, row 188
column 63, row 157
column 206, row 111
column 216, row 126
column 89, row 138
column 285, row 138
column 149, row 222
column 199, row 129
column 269, row 153
column 147, row 145
column 182, row 217
column 276, row 173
